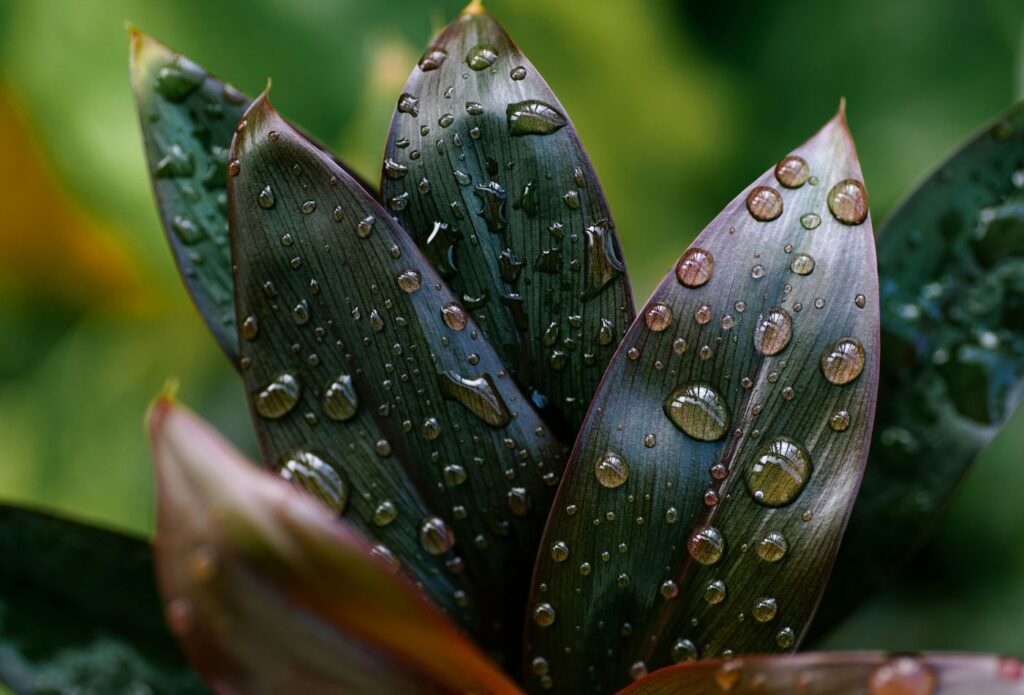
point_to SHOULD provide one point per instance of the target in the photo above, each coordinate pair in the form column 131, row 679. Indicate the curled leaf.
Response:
column 704, row 502
column 852, row 673
column 357, row 354
column 268, row 592
column 951, row 262
column 488, row 175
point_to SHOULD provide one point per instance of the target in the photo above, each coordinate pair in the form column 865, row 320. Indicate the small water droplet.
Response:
column 409, row 104
column 860, row 300
column 454, row 316
column 764, row 203
column 544, row 614
column 278, row 397
column 699, row 411
column 339, row 400
column 518, row 73
column 409, row 281
column 810, row 221
column 385, row 513
column 706, row 545
column 393, row 170
column 658, row 317
column 559, row 551
column 715, row 592
column 481, row 57
column 695, row 267
column 479, row 395
column 848, row 202
column 533, row 117
column 773, row 331
column 313, row 474
column 611, row 470
column 764, row 609
column 778, row 472
column 435, row 536
column 772, row 547
column 266, row 198
column 843, row 362
column 433, row 58
column 802, row 264
column 669, row 589
column 792, row 171
column 684, row 650
column 365, row 226
column 308, row 206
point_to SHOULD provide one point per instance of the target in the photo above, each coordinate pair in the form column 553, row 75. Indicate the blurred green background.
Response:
column 679, row 104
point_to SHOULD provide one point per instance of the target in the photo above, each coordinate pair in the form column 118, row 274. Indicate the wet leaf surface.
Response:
column 951, row 262
column 57, row 635
column 704, row 502
column 268, row 592
column 371, row 385
column 488, row 175
column 851, row 673
column 188, row 118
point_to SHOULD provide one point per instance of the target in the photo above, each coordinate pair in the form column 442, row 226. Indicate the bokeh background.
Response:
column 680, row 106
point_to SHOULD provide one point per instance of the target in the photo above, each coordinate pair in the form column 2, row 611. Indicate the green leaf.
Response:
column 488, row 175
column 61, row 625
column 188, row 118
column 849, row 673
column 357, row 353
column 951, row 261
column 269, row 593
column 724, row 448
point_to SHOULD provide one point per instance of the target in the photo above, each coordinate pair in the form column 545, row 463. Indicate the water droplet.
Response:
column 679, row 346
column 714, row 592
column 802, row 264
column 519, row 501
column 778, row 472
column 848, row 201
column 764, row 203
column 393, row 170
column 638, row 670
column 539, row 665
column 699, row 411
column 479, row 395
column 903, row 675
column 481, row 57
column 785, row 638
column 792, row 171
column 772, row 547
column 432, row 58
column 266, row 198
column 658, row 317
column 839, row 421
column 308, row 206
column 316, row 476
column 454, row 474
column 764, row 609
column 178, row 79
column 409, row 104
column 602, row 262
column 339, row 400
column 544, row 614
column 559, row 551
column 365, row 226
column 278, row 397
column 684, row 650
column 702, row 315
column 532, row 117
column 611, row 471
column 773, row 331
column 454, row 316
column 250, row 328
column 435, row 536
column 409, row 281
column 176, row 163
column 518, row 73
column 706, row 545
column 810, row 220
column 669, row 589
column 695, row 267
column 860, row 300
column 385, row 513
column 843, row 362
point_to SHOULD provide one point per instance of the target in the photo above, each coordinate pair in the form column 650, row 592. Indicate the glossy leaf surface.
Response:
column 488, row 175
column 58, row 634
column 704, row 502
column 269, row 592
column 951, row 261
column 357, row 354
column 852, row 673
column 188, row 118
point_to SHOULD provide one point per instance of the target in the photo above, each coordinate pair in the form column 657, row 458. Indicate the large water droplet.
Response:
column 393, row 170
column 843, row 362
column 706, row 545
column 339, row 400
column 714, row 592
column 699, row 411
column 409, row 280
column 481, row 57
column 316, row 476
column 601, row 261
column 435, row 536
column 778, row 472
column 772, row 547
column 684, row 650
column 278, row 397
column 792, row 171
column 695, row 267
column 479, row 395
column 611, row 470
column 178, row 79
column 903, row 675
column 764, row 609
column 773, row 331
column 764, row 203
column 848, row 201
column 433, row 58
column 409, row 104
column 658, row 317
column 454, row 316
column 385, row 513
column 839, row 421
column 544, row 614
column 532, row 117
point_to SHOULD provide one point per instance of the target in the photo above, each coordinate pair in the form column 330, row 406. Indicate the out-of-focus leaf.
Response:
column 487, row 173
column 188, row 118
column 62, row 628
column 704, row 502
column 951, row 262
column 357, row 353
column 842, row 673
column 40, row 218
column 269, row 593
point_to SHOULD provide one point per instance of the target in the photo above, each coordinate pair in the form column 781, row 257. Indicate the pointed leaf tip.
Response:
column 475, row 7
column 723, row 450
column 268, row 592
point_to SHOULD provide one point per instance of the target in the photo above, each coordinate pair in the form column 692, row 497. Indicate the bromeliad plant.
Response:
column 421, row 359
